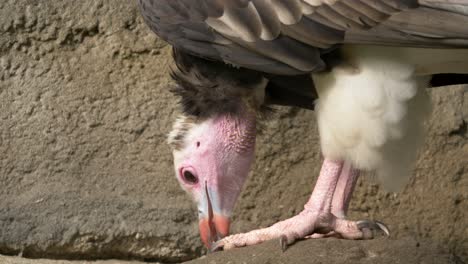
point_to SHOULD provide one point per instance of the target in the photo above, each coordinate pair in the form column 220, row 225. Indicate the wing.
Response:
column 289, row 37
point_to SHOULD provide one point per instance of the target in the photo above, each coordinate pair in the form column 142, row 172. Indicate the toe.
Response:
column 319, row 235
column 242, row 240
column 226, row 244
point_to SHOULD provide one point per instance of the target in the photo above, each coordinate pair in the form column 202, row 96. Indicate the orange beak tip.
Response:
column 212, row 231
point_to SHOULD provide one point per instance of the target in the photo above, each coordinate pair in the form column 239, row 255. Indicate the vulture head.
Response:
column 213, row 143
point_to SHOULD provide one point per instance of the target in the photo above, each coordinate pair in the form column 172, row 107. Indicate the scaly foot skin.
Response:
column 307, row 224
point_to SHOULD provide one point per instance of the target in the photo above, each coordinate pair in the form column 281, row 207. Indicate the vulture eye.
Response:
column 189, row 177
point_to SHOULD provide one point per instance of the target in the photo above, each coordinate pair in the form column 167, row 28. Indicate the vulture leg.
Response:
column 342, row 196
column 344, row 190
column 317, row 216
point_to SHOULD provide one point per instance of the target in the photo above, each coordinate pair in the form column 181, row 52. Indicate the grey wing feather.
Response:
column 290, row 36
column 435, row 23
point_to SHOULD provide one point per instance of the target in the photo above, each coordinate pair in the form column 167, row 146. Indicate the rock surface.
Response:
column 86, row 172
column 19, row 260
column 381, row 250
column 318, row 251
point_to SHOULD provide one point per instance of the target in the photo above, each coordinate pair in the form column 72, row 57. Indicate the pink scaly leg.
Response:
column 316, row 217
column 342, row 196
column 344, row 190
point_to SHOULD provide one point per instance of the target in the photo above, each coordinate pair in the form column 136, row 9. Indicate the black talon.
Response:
column 215, row 246
column 383, row 227
column 362, row 224
column 373, row 226
column 284, row 243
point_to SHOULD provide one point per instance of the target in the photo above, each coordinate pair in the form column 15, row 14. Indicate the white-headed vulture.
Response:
column 362, row 65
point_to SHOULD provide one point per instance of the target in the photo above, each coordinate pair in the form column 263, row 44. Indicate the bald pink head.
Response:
column 212, row 161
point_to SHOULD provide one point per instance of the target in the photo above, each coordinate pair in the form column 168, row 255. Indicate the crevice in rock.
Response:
column 460, row 131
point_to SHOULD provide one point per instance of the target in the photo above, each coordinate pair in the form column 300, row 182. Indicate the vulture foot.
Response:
column 323, row 215
column 308, row 224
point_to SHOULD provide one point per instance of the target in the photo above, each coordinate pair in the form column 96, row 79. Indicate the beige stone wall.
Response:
column 85, row 171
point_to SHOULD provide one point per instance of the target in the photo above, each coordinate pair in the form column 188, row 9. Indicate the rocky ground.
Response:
column 405, row 250
column 382, row 251
column 86, row 172
column 19, row 260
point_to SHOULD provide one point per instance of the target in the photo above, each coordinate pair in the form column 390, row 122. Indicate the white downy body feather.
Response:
column 371, row 111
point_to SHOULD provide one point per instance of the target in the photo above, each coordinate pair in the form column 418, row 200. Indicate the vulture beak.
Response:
column 213, row 224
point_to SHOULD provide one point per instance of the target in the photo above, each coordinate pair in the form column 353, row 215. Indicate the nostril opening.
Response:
column 198, row 144
column 190, row 178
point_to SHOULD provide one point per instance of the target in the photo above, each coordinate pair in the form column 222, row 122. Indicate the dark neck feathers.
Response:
column 208, row 87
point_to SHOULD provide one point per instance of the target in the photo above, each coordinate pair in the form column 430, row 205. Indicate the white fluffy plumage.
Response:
column 371, row 111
